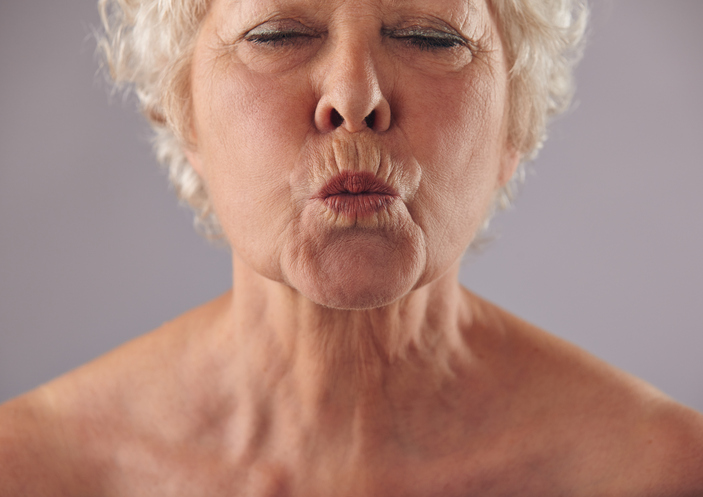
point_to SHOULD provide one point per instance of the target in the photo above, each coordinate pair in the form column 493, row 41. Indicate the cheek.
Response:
column 252, row 131
column 257, row 122
column 456, row 131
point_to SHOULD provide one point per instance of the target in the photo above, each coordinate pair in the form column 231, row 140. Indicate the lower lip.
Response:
column 363, row 204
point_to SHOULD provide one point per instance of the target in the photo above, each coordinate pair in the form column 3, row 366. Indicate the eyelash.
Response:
column 421, row 41
column 279, row 38
column 424, row 42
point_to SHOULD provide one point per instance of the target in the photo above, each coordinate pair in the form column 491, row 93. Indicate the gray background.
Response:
column 603, row 248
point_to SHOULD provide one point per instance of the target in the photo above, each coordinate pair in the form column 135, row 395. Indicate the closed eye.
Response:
column 281, row 32
column 428, row 39
column 278, row 38
column 430, row 42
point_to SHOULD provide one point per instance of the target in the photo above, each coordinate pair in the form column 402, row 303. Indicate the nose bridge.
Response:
column 351, row 84
column 354, row 73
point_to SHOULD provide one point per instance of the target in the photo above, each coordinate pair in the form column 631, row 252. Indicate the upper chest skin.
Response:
column 539, row 457
column 538, row 417
column 524, row 433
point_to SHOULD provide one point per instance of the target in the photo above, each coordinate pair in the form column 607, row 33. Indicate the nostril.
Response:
column 371, row 119
column 336, row 118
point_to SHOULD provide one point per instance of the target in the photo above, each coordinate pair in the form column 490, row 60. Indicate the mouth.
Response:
column 356, row 194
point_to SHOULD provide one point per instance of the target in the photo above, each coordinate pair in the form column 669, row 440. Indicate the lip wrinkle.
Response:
column 356, row 183
column 364, row 204
column 356, row 194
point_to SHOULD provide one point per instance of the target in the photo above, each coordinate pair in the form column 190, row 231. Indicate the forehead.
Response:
column 458, row 12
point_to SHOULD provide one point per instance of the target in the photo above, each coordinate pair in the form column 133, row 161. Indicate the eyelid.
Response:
column 274, row 26
column 424, row 31
column 427, row 32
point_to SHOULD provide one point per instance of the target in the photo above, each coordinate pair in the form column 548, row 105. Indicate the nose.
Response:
column 351, row 96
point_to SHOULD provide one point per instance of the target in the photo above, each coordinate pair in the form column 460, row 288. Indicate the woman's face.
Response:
column 350, row 148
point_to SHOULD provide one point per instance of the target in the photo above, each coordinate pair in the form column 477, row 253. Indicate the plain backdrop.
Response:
column 604, row 246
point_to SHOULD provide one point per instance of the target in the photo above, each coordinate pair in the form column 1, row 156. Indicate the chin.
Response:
column 358, row 276
column 352, row 297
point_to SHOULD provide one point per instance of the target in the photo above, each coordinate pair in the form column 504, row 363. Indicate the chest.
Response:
column 146, row 471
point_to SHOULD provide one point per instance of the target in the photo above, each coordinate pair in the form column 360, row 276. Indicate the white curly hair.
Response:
column 148, row 46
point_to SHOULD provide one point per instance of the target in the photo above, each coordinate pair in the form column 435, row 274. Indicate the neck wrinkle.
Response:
column 421, row 327
column 347, row 373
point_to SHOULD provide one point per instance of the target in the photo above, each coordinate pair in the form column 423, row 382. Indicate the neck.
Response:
column 421, row 328
column 342, row 368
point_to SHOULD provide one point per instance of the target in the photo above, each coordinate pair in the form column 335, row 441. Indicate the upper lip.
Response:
column 355, row 183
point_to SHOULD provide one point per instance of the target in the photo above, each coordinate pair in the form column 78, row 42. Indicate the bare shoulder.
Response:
column 33, row 461
column 60, row 438
column 671, row 441
column 602, row 428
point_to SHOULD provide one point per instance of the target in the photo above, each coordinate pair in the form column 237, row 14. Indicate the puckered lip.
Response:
column 355, row 183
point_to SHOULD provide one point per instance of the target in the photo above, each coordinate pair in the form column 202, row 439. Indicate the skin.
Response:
column 267, row 108
column 347, row 360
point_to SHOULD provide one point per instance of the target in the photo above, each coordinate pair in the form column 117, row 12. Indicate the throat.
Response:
column 325, row 350
column 305, row 375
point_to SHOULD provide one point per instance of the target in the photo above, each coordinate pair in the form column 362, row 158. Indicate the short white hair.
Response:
column 148, row 47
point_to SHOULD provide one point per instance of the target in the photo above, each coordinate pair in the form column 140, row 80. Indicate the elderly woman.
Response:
column 348, row 152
